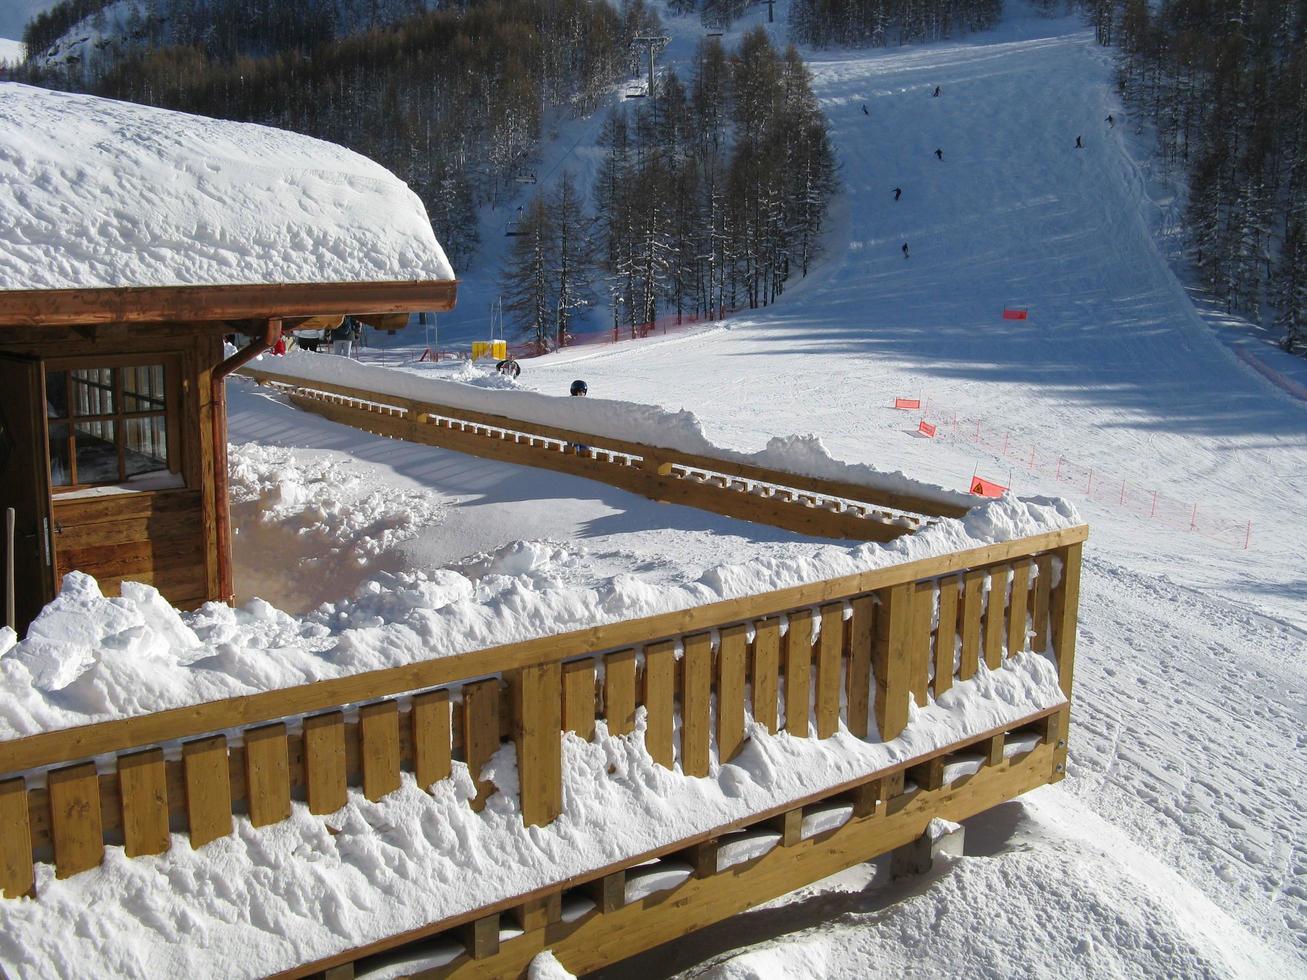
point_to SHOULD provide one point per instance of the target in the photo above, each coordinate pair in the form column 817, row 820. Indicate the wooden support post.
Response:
column 1064, row 601
column 973, row 597
column 539, row 912
column 790, row 825
column 1017, row 606
column 994, row 749
column 695, row 692
column 923, row 611
column 17, row 876
column 929, row 775
column 798, row 672
column 659, row 702
column 432, row 756
column 830, row 664
column 609, row 892
column 890, row 660
column 702, row 857
column 345, row 971
column 766, row 671
column 481, row 936
column 75, row 820
column 946, row 634
column 994, row 603
column 730, row 692
column 143, row 786
column 619, row 692
column 537, row 731
column 324, row 762
column 267, row 774
column 480, row 733
column 208, row 789
column 579, row 698
column 1039, row 608
column 379, row 748
column 861, row 639
column 865, row 798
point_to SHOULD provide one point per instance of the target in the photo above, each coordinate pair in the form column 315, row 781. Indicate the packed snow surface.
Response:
column 12, row 52
column 99, row 193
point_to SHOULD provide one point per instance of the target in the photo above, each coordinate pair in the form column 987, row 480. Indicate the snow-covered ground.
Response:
column 11, row 52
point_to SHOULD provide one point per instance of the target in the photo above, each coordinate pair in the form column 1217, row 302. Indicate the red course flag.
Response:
column 1014, row 314
column 984, row 488
column 926, row 429
column 907, row 403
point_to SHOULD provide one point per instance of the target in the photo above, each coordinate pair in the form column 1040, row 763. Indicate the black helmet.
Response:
column 580, row 387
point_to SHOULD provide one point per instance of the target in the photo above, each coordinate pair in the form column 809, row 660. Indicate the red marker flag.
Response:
column 984, row 488
column 1014, row 314
column 909, row 403
column 926, row 429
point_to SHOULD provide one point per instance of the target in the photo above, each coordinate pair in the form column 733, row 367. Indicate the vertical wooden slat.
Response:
column 480, row 733
column 17, row 877
column 730, row 692
column 830, row 664
column 324, row 762
column 267, row 771
column 798, row 672
column 208, row 789
column 143, row 785
column 431, row 737
column 619, row 692
column 1017, row 605
column 973, row 605
column 579, row 698
column 946, row 634
column 538, row 732
column 696, row 685
column 994, row 603
column 923, row 611
column 890, row 659
column 766, row 670
column 859, row 680
column 1064, row 602
column 379, row 748
column 1039, row 612
column 75, row 821
column 659, row 702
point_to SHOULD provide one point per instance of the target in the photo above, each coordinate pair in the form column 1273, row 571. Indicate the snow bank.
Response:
column 99, row 193
column 87, row 658
column 650, row 425
column 312, row 886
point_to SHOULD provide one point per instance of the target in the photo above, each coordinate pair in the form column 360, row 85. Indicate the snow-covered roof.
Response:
column 96, row 193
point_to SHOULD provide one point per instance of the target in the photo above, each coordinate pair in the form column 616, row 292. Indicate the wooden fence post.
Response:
column 538, row 731
column 1064, row 602
column 480, row 734
column 731, row 670
column 861, row 639
column 890, row 659
column 766, row 671
column 17, row 877
column 830, row 650
column 660, row 702
column 75, row 821
column 798, row 672
column 923, row 611
column 696, row 688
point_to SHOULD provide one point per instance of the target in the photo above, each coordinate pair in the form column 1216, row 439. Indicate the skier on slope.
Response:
column 1111, row 123
column 905, row 250
column 898, row 192
column 936, row 95
column 939, row 154
column 864, row 110
column 1079, row 145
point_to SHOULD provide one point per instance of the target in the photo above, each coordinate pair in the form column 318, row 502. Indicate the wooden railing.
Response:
column 869, row 642
column 808, row 505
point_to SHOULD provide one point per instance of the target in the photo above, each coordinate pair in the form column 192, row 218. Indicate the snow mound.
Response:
column 99, row 193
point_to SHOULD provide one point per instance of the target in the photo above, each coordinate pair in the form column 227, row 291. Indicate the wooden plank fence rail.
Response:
column 808, row 505
column 846, row 653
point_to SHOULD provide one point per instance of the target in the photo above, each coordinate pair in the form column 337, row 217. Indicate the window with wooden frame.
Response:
column 113, row 422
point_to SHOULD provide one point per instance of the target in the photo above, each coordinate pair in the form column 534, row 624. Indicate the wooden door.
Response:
column 25, row 486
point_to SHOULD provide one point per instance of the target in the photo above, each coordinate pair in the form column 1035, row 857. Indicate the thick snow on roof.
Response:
column 99, row 193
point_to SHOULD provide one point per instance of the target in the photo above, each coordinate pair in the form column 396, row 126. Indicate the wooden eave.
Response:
column 161, row 304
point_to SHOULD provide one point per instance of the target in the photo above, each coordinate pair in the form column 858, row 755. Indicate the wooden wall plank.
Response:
column 17, row 876
column 731, row 669
column 480, row 733
column 696, row 687
column 1017, row 607
column 579, row 698
column 143, row 784
column 208, row 789
column 619, row 692
column 379, row 748
column 431, row 737
column 324, row 762
column 766, row 671
column 659, row 702
column 973, row 607
column 923, row 611
column 76, row 824
column 995, row 600
column 798, row 672
column 1040, row 605
column 267, row 773
column 830, row 669
column 946, row 633
column 537, row 697
column 890, row 659
column 861, row 639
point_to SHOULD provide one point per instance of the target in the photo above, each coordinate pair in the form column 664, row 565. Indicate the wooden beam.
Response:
column 159, row 304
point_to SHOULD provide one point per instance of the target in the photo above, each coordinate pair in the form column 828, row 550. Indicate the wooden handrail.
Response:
column 85, row 741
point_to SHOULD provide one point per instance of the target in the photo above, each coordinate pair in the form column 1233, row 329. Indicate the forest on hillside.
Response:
column 711, row 196
column 1223, row 85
